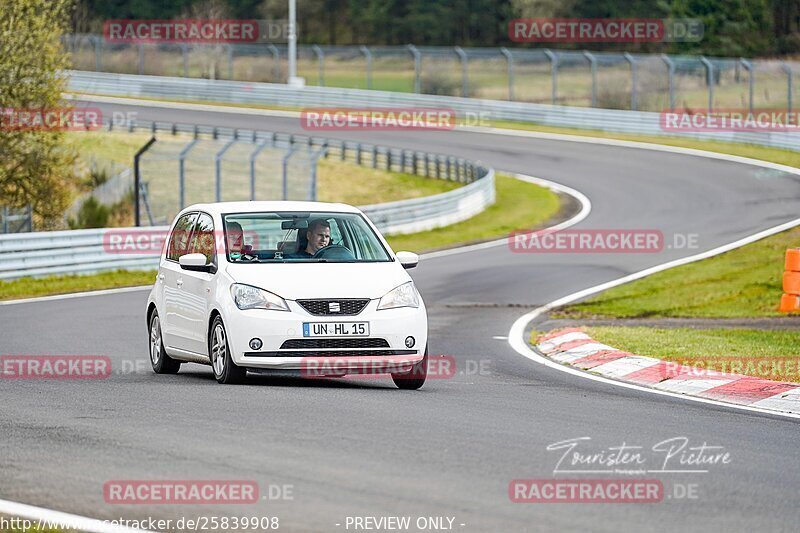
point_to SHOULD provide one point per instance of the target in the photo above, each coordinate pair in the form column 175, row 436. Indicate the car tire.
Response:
column 415, row 378
column 162, row 363
column 225, row 370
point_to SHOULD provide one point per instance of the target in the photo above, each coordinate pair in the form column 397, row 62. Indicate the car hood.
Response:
column 294, row 281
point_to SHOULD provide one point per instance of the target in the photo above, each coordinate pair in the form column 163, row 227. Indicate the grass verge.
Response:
column 745, row 282
column 759, row 353
column 519, row 205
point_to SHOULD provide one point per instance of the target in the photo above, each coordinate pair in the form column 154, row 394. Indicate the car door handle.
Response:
column 180, row 283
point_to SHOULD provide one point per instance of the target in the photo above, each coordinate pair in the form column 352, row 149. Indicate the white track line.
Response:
column 59, row 520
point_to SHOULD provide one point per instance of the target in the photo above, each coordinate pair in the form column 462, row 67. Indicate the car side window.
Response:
column 203, row 238
column 179, row 238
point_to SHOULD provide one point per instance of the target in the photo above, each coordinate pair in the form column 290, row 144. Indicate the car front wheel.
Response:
column 162, row 363
column 225, row 370
column 415, row 378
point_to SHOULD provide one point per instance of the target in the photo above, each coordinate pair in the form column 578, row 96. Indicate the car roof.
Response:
column 262, row 206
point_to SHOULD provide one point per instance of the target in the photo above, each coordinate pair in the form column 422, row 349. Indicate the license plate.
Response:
column 335, row 329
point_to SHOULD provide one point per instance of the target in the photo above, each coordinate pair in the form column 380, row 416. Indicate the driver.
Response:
column 318, row 235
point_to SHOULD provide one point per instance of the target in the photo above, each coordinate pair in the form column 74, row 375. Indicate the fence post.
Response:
column 98, row 50
column 286, row 157
column 374, row 156
column 750, row 79
column 320, row 65
column 670, row 79
column 553, row 74
column 137, row 178
column 634, row 81
column 710, row 81
column 229, row 49
column 417, row 67
column 510, row 61
column 185, row 56
column 5, row 220
column 788, row 70
column 30, row 217
column 368, row 55
column 181, row 172
column 276, row 62
column 141, row 58
column 253, row 157
column 218, row 168
column 464, row 67
column 593, row 62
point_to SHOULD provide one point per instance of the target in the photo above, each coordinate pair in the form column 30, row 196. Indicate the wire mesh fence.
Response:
column 188, row 164
column 591, row 79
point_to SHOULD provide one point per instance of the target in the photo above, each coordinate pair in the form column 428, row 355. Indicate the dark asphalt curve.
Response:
column 360, row 447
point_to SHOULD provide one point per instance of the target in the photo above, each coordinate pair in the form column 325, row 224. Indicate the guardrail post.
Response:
column 141, row 58
column 510, row 62
column 137, row 179
column 593, row 62
column 670, row 79
column 368, row 56
column 750, row 79
column 417, row 67
column 389, row 159
column 276, row 62
column 218, row 168
column 427, row 165
column 374, row 156
column 358, row 153
column 788, row 70
column 320, row 65
column 414, row 162
column 253, row 157
column 464, row 68
column 634, row 80
column 553, row 75
column 182, row 173
column 710, row 81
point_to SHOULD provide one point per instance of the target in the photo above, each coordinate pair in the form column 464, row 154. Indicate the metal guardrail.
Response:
column 90, row 250
column 183, row 89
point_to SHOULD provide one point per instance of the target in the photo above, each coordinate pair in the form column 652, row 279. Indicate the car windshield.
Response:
column 311, row 237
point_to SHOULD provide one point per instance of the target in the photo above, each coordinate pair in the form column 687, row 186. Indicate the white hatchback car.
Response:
column 285, row 286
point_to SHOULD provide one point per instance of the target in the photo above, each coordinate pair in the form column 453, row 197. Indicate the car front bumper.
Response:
column 274, row 328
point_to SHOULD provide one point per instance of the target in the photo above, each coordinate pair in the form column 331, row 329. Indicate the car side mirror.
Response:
column 407, row 259
column 196, row 263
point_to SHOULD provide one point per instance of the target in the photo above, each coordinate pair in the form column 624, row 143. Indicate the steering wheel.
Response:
column 334, row 251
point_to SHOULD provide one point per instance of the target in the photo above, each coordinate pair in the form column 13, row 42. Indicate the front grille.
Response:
column 322, row 307
column 310, row 344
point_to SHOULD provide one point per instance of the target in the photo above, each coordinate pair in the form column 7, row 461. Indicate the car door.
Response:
column 194, row 290
column 170, row 272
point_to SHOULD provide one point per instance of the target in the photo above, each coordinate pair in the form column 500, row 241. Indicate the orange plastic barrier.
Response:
column 790, row 301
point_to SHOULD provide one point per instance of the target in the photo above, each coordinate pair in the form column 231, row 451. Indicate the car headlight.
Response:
column 403, row 296
column 249, row 297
